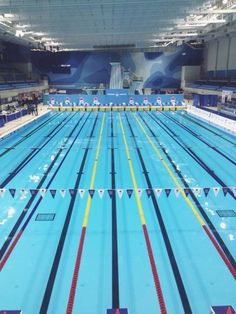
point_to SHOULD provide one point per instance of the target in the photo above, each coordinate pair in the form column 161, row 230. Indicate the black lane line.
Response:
column 190, row 152
column 29, row 134
column 190, row 118
column 115, row 267
column 187, row 129
column 171, row 256
column 194, row 198
column 57, row 257
column 32, row 198
column 34, row 152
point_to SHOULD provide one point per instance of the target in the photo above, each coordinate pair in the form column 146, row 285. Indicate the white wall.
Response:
column 221, row 62
column 232, row 55
column 190, row 74
column 211, row 55
column 220, row 54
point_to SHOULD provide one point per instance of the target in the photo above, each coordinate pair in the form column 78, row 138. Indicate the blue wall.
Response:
column 159, row 70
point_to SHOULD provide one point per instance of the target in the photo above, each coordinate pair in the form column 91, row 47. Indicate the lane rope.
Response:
column 187, row 200
column 143, row 222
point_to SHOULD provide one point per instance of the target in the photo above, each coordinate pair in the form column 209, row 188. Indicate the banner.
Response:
column 173, row 101
column 145, row 101
column 81, row 101
column 159, row 102
column 95, row 101
column 197, row 191
column 67, row 101
column 131, row 101
column 226, row 96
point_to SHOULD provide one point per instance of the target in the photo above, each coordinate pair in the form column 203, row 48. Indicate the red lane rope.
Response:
column 220, row 251
column 154, row 272
column 71, row 299
column 11, row 248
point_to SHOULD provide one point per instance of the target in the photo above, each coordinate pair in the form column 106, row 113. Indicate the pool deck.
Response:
column 15, row 124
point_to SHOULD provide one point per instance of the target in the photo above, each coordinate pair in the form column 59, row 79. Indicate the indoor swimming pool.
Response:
column 117, row 210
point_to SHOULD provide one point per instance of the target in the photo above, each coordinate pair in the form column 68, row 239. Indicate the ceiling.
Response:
column 94, row 24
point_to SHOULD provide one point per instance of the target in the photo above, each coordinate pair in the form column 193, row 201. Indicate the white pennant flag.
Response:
column 62, row 192
column 176, row 192
column 101, row 192
column 2, row 192
column 42, row 192
column 120, row 192
column 196, row 190
column 158, row 192
column 81, row 192
column 139, row 192
column 23, row 193
column 234, row 190
column 216, row 191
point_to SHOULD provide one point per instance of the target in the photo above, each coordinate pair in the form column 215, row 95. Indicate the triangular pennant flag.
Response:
column 149, row 192
column 167, row 192
column 72, row 192
column 216, row 190
column 91, row 192
column 225, row 190
column 187, row 191
column 42, row 192
column 120, row 192
column 23, row 193
column 158, row 192
column 33, row 192
column 81, row 192
column 129, row 192
column 2, row 192
column 12, row 192
column 62, row 192
column 176, row 192
column 206, row 191
column 53, row 192
column 139, row 192
column 196, row 190
column 110, row 192
column 234, row 190
column 101, row 192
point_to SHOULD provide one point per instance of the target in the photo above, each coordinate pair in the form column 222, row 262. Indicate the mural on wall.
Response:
column 154, row 70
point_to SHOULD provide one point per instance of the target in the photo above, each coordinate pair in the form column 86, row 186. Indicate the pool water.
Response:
column 107, row 210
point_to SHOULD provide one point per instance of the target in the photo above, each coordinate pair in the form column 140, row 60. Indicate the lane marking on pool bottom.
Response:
column 188, row 201
column 74, row 281
column 165, row 236
column 8, row 247
column 28, row 135
column 115, row 262
column 144, row 226
column 186, row 185
column 60, row 246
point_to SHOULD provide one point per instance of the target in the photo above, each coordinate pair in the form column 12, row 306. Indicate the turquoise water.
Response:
column 51, row 152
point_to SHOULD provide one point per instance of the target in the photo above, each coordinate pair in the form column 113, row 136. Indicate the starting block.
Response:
column 222, row 309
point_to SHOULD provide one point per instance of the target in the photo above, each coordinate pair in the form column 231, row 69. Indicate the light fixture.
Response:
column 21, row 26
column 8, row 15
